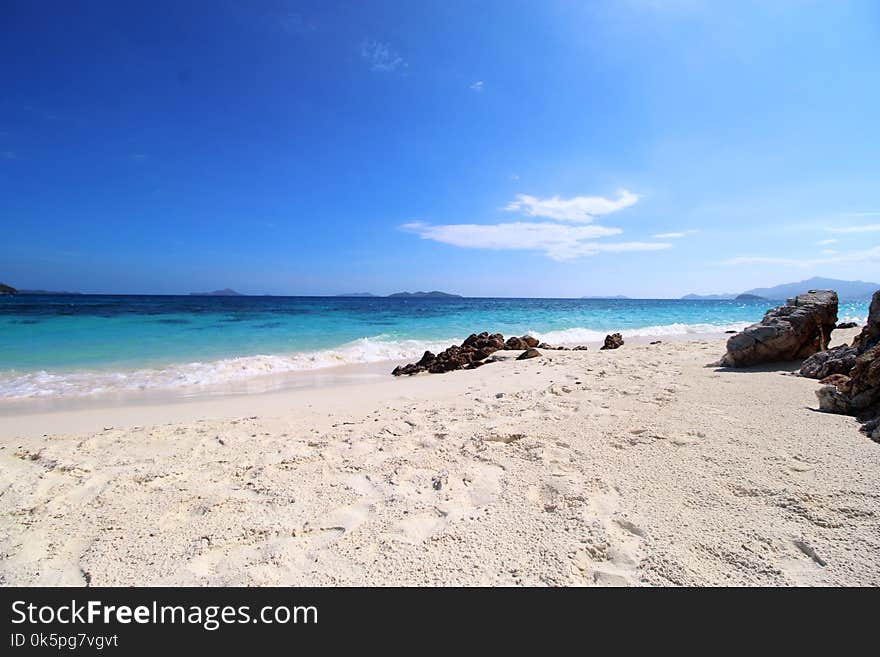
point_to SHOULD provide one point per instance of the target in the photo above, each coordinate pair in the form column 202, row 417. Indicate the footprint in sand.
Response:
column 612, row 550
column 420, row 527
column 799, row 464
column 689, row 438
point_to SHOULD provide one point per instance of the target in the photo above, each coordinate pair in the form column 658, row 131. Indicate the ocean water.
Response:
column 53, row 346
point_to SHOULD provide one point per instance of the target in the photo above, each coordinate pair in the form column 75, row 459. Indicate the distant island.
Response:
column 8, row 289
column 357, row 294
column 844, row 289
column 226, row 292
column 749, row 297
column 435, row 294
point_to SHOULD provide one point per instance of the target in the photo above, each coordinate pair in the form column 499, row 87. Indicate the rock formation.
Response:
column 520, row 344
column 474, row 351
column 856, row 391
column 870, row 334
column 839, row 360
column 613, row 341
column 470, row 354
column 796, row 330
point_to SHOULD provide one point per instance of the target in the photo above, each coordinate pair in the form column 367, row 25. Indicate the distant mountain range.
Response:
column 226, row 292
column 844, row 289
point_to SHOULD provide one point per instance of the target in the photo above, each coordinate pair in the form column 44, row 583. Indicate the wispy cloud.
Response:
column 675, row 236
column 578, row 209
column 513, row 176
column 826, row 242
column 380, row 57
column 557, row 241
column 477, row 86
column 869, row 228
column 849, row 257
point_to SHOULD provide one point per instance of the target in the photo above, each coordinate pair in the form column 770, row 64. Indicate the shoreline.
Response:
column 635, row 466
column 23, row 415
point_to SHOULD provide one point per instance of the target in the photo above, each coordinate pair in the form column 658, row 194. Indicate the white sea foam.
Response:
column 43, row 384
column 574, row 336
column 198, row 375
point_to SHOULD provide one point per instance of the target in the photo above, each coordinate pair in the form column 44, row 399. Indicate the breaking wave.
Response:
column 20, row 385
column 579, row 335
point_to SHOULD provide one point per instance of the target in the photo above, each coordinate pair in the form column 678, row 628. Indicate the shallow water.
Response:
column 80, row 345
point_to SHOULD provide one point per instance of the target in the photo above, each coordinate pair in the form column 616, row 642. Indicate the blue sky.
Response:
column 647, row 148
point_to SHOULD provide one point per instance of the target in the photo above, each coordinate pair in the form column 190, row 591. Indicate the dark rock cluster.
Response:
column 528, row 353
column 477, row 348
column 613, row 341
column 519, row 344
column 470, row 354
column 838, row 360
column 852, row 385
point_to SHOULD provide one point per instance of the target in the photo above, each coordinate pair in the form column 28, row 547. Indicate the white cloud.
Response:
column 558, row 241
column 477, row 86
column 674, row 236
column 870, row 228
column 380, row 57
column 849, row 257
column 826, row 242
column 579, row 208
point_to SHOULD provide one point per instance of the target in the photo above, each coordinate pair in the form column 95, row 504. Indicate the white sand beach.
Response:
column 638, row 466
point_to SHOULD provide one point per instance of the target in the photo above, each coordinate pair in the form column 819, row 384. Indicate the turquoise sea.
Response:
column 62, row 345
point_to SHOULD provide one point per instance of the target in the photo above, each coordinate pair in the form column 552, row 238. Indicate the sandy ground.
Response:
column 637, row 466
